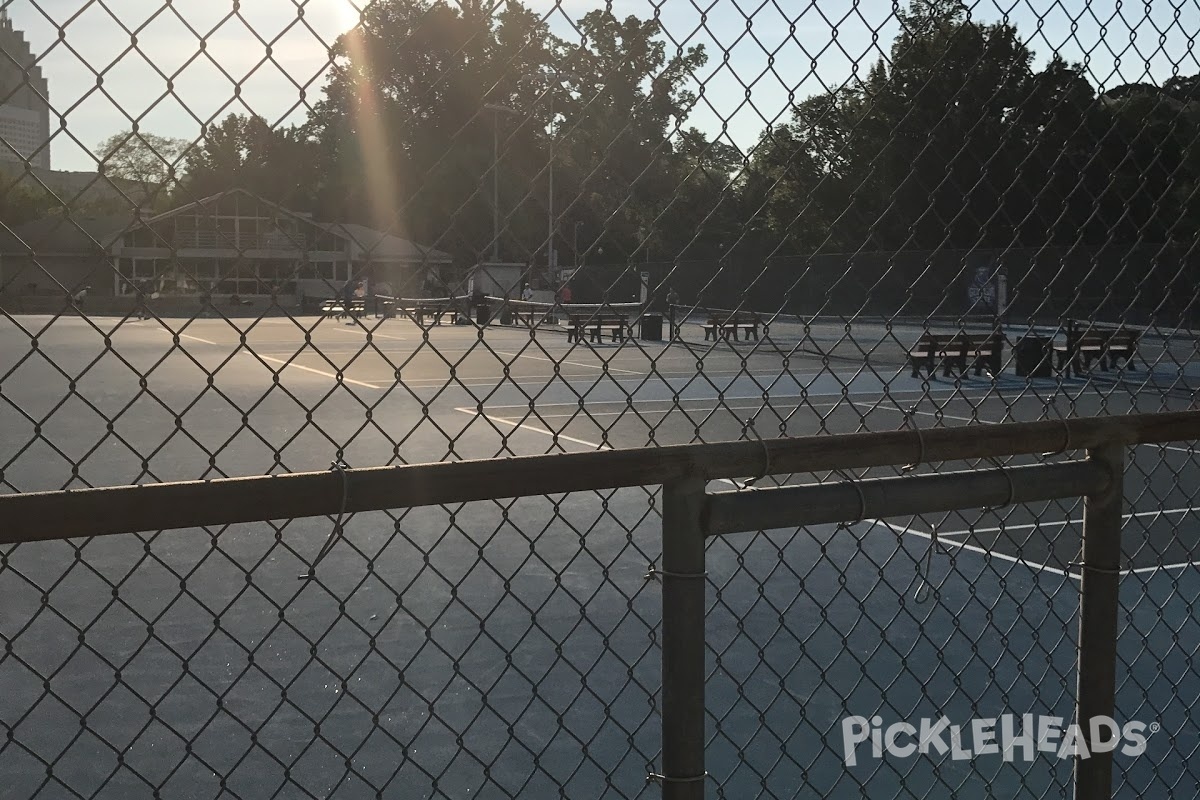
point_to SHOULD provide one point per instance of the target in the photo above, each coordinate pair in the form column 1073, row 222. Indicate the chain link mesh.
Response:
column 283, row 234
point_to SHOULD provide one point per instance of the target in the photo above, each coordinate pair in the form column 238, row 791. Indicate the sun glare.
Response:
column 378, row 174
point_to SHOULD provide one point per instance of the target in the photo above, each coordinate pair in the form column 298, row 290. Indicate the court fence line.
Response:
column 691, row 514
column 457, row 235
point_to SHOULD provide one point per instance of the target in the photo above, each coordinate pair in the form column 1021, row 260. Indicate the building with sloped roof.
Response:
column 232, row 243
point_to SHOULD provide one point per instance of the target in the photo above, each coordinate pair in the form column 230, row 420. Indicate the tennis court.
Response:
column 511, row 645
column 259, row 271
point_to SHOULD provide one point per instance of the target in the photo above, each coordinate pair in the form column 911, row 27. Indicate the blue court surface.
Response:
column 511, row 648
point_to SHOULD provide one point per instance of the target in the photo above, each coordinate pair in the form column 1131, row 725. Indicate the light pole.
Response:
column 497, row 111
column 575, row 244
column 550, row 260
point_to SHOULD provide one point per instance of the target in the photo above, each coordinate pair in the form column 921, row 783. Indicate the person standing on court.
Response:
column 383, row 290
column 672, row 304
column 360, row 298
column 348, row 292
column 564, row 294
column 144, row 291
column 527, row 293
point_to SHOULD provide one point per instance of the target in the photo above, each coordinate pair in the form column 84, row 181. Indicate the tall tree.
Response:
column 151, row 162
column 404, row 135
column 421, row 87
column 245, row 152
column 919, row 154
column 630, row 159
column 21, row 202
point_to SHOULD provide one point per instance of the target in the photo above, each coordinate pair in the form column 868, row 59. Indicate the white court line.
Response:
column 189, row 336
column 869, row 395
column 593, row 445
column 1031, row 525
column 941, row 415
column 671, row 410
column 1180, row 565
column 978, row 421
column 564, row 361
column 542, row 381
column 995, row 554
column 535, row 429
column 374, row 334
column 544, row 432
column 294, row 365
column 313, row 348
column 936, row 414
column 1189, row 450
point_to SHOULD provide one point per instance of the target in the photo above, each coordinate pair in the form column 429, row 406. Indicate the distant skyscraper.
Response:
column 24, row 100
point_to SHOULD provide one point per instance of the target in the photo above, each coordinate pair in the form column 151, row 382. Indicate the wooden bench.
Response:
column 337, row 308
column 1105, row 346
column 959, row 351
column 595, row 324
column 310, row 304
column 437, row 312
column 721, row 326
column 530, row 314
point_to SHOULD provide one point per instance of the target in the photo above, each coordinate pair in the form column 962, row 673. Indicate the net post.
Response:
column 1098, row 609
column 683, row 775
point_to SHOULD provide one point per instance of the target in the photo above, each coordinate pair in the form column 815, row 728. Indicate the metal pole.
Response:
column 683, row 776
column 1098, row 605
column 550, row 212
column 495, row 187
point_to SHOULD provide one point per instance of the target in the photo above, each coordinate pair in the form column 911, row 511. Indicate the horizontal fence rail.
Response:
column 38, row 516
column 690, row 514
column 368, row 368
column 763, row 509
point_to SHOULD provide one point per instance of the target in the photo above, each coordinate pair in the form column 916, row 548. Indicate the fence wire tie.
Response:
column 910, row 417
column 766, row 470
column 1066, row 441
column 653, row 573
column 339, row 466
column 1012, row 491
column 862, row 497
column 921, row 595
column 1100, row 570
column 654, row 777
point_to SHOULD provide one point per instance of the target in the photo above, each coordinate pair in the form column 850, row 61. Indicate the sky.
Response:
column 175, row 65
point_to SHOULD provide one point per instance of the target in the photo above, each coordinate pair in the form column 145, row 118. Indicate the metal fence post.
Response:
column 1098, row 605
column 682, row 574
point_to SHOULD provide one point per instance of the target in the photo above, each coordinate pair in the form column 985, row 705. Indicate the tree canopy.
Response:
column 150, row 161
column 953, row 140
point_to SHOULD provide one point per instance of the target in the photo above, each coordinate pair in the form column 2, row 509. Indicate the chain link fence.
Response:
column 317, row 236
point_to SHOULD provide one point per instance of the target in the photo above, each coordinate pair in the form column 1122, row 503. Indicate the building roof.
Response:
column 377, row 243
column 368, row 241
column 77, row 234
column 80, row 234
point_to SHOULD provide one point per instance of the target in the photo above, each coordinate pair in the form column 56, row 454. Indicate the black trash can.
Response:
column 652, row 327
column 1033, row 357
column 482, row 314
